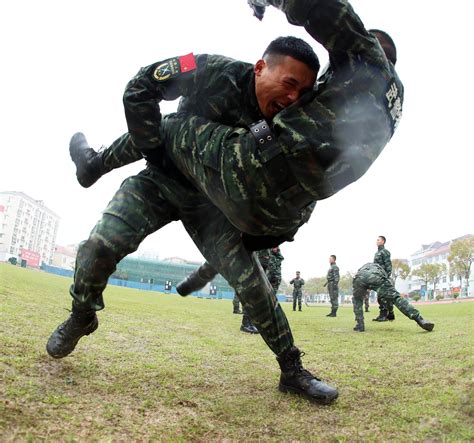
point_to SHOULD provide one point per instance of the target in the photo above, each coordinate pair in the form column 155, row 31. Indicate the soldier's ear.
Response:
column 259, row 67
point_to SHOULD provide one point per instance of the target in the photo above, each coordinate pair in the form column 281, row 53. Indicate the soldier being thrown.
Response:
column 373, row 276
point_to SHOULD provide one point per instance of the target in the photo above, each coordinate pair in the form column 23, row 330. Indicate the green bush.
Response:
column 439, row 297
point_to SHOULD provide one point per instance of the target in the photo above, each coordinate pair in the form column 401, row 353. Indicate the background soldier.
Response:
column 333, row 285
column 382, row 258
column 373, row 276
column 274, row 268
column 297, row 283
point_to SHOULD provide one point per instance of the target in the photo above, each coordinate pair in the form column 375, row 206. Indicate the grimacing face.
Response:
column 281, row 84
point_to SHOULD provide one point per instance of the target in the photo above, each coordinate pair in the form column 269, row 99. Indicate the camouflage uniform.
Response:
column 325, row 142
column 373, row 276
column 382, row 258
column 367, row 300
column 274, row 269
column 297, row 283
column 218, row 88
column 333, row 286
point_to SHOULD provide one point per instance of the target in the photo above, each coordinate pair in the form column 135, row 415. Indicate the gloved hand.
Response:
column 258, row 7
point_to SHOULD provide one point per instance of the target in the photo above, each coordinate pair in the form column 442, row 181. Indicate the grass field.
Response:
column 166, row 368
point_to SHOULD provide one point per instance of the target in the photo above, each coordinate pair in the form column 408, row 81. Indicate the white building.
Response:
column 65, row 257
column 27, row 227
column 438, row 252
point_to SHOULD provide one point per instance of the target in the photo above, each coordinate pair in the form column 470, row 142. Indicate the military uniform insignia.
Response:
column 173, row 67
column 394, row 105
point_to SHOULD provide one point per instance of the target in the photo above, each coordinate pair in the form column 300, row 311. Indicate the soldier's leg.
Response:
column 389, row 292
column 135, row 211
column 236, row 304
column 358, row 291
column 300, row 296
column 295, row 295
column 196, row 280
column 222, row 246
column 91, row 164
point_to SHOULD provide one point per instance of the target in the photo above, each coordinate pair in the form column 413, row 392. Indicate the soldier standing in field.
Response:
column 382, row 258
column 297, row 283
column 332, row 282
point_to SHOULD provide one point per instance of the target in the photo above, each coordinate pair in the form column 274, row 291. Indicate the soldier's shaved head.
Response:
column 293, row 47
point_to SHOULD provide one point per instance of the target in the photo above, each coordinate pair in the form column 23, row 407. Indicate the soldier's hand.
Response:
column 258, row 7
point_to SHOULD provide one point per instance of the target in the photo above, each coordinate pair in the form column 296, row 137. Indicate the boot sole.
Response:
column 291, row 390
column 75, row 151
column 58, row 355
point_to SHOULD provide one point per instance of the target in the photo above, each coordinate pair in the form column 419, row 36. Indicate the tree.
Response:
column 345, row 283
column 315, row 285
column 430, row 273
column 460, row 259
column 400, row 269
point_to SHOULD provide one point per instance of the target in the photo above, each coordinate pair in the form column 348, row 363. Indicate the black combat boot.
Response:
column 390, row 316
column 64, row 339
column 294, row 378
column 366, row 309
column 247, row 325
column 196, row 280
column 237, row 311
column 382, row 316
column 425, row 324
column 332, row 313
column 360, row 326
column 89, row 163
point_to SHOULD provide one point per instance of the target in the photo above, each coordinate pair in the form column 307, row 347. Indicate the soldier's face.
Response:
column 379, row 241
column 280, row 83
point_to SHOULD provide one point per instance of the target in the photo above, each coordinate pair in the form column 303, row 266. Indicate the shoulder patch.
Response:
column 173, row 67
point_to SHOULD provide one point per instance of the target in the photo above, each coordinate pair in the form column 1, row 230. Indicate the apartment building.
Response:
column 438, row 252
column 28, row 229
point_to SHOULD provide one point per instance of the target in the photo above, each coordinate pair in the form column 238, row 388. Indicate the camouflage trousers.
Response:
column 236, row 303
column 373, row 277
column 297, row 296
column 275, row 282
column 384, row 303
column 150, row 200
column 333, row 295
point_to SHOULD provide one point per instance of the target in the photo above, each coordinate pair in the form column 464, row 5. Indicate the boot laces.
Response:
column 299, row 367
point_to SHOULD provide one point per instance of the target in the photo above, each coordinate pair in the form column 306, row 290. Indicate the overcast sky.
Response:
column 65, row 65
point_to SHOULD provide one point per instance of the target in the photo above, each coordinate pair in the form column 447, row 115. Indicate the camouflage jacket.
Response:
column 333, row 275
column 332, row 137
column 212, row 86
column 382, row 258
column 297, row 284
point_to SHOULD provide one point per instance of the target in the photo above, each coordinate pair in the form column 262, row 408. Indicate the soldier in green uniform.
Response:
column 232, row 92
column 382, row 258
column 297, row 283
column 332, row 282
column 373, row 276
column 157, row 196
column 274, row 268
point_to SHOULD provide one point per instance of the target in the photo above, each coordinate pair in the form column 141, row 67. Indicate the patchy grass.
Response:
column 165, row 368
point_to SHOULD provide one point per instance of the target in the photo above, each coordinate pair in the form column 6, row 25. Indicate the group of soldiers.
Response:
column 373, row 277
column 242, row 164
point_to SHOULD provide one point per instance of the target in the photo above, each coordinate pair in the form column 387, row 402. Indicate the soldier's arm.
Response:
column 336, row 275
column 335, row 25
column 292, row 281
